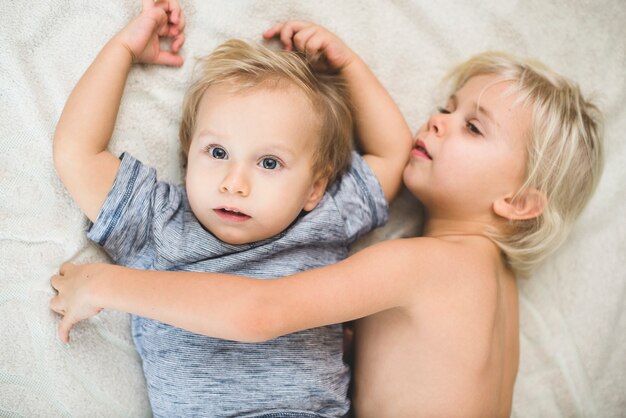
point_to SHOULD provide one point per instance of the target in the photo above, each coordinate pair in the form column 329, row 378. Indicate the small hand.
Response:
column 313, row 40
column 72, row 300
column 161, row 18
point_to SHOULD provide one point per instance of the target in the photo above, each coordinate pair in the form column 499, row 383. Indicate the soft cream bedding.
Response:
column 573, row 322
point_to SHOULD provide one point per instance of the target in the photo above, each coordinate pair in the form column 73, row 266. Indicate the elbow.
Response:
column 60, row 155
column 57, row 151
column 258, row 323
column 263, row 327
column 61, row 162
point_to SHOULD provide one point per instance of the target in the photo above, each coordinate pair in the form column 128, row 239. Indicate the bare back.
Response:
column 454, row 351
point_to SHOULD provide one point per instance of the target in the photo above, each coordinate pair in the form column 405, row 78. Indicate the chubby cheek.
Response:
column 192, row 193
column 278, row 201
column 197, row 188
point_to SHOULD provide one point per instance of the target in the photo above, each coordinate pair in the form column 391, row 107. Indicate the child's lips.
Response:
column 420, row 150
column 231, row 214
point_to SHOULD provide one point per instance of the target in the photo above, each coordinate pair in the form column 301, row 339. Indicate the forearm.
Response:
column 379, row 122
column 87, row 121
column 234, row 307
column 216, row 305
column 249, row 309
column 82, row 161
column 382, row 130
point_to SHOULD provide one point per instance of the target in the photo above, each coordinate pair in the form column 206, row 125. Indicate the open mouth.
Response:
column 231, row 214
column 419, row 150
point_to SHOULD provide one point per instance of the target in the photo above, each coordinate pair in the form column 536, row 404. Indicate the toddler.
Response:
column 271, row 188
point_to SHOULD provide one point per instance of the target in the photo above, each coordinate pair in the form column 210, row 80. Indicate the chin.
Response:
column 408, row 174
column 235, row 240
column 409, row 184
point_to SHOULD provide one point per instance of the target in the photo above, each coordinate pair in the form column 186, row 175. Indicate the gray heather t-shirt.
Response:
column 147, row 224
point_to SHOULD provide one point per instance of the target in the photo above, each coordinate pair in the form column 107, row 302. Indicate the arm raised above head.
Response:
column 83, row 163
column 382, row 131
column 240, row 308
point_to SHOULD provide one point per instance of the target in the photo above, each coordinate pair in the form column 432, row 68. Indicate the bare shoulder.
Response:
column 431, row 273
column 439, row 260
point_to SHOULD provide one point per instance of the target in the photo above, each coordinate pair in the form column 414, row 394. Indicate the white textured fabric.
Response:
column 573, row 318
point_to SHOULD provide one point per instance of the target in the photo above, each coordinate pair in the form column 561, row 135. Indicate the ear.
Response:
column 317, row 192
column 527, row 205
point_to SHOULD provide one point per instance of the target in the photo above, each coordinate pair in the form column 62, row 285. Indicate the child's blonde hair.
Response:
column 244, row 66
column 564, row 153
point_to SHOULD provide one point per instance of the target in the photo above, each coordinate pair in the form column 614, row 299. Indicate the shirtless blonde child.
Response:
column 503, row 170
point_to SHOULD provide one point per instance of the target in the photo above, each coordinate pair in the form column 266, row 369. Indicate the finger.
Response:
column 315, row 44
column 178, row 42
column 64, row 329
column 56, row 305
column 181, row 22
column 292, row 29
column 163, row 25
column 286, row 37
column 301, row 38
column 175, row 13
column 169, row 58
column 285, row 31
column 297, row 25
column 55, row 282
column 289, row 32
column 273, row 31
column 178, row 27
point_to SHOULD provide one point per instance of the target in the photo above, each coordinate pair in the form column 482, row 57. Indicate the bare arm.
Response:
column 381, row 129
column 240, row 308
column 85, row 166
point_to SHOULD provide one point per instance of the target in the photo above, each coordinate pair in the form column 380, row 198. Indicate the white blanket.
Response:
column 573, row 313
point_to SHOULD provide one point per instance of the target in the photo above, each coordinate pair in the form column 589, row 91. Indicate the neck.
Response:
column 442, row 227
column 461, row 231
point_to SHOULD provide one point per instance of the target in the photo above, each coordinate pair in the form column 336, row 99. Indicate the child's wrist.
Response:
column 352, row 65
column 98, row 285
column 122, row 49
column 133, row 57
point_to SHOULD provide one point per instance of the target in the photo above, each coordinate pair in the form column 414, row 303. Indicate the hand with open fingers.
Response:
column 312, row 40
column 158, row 19
column 73, row 296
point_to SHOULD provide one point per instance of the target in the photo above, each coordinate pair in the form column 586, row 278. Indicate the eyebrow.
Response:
column 479, row 109
column 208, row 132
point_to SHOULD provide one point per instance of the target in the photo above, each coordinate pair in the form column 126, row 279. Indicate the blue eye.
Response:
column 216, row 152
column 269, row 163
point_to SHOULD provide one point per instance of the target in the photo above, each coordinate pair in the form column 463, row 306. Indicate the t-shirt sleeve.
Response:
column 360, row 199
column 125, row 224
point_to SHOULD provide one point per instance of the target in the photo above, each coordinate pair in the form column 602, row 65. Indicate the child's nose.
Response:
column 235, row 182
column 437, row 124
